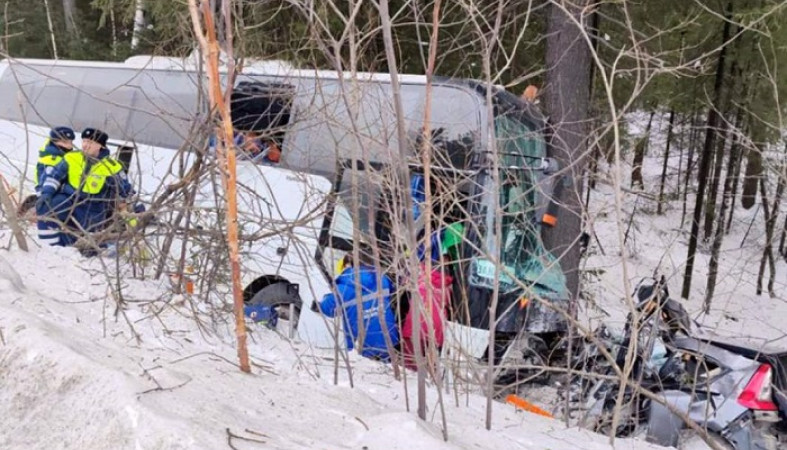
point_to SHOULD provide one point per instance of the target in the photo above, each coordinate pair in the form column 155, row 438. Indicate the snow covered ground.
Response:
column 74, row 375
column 77, row 373
column 656, row 244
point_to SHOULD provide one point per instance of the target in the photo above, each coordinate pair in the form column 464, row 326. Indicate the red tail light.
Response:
column 758, row 394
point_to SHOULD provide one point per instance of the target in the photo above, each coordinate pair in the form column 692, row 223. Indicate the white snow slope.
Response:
column 658, row 244
column 72, row 375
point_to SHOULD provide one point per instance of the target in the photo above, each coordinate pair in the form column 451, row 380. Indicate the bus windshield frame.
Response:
column 521, row 149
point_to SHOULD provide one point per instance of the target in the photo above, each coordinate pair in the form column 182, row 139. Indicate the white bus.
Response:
column 330, row 127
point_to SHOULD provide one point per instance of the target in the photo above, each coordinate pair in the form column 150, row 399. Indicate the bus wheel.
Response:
column 284, row 298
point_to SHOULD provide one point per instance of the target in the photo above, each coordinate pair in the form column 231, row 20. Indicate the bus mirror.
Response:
column 550, row 166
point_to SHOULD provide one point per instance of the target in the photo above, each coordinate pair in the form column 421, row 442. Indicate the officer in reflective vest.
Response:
column 52, row 213
column 94, row 181
column 60, row 142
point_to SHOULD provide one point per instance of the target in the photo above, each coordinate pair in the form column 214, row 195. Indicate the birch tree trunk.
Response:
column 139, row 24
column 771, row 213
column 51, row 29
column 70, row 17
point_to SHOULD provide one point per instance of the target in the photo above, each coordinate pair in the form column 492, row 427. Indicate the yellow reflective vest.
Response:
column 45, row 160
column 90, row 180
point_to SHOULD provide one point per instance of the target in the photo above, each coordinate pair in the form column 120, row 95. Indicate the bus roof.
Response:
column 275, row 68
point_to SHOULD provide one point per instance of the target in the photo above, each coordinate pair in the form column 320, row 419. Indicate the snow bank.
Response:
column 74, row 375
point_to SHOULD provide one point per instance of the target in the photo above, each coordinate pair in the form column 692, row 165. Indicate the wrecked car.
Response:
column 683, row 384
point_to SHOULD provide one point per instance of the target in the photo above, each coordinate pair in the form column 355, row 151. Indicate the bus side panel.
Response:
column 356, row 120
column 148, row 107
column 19, row 154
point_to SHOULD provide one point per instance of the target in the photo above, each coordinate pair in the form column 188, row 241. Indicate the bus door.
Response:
column 351, row 214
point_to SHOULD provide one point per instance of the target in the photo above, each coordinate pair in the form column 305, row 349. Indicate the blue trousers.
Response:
column 54, row 221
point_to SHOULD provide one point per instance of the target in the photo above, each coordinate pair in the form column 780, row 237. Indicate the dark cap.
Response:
column 95, row 135
column 62, row 134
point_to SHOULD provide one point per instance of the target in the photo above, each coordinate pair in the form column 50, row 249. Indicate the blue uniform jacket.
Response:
column 373, row 299
column 91, row 210
column 50, row 149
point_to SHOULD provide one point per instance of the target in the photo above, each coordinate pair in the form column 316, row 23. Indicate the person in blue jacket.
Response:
column 60, row 142
column 85, row 187
column 374, row 298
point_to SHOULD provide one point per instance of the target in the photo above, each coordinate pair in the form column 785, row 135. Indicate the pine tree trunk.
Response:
column 736, row 156
column 640, row 149
column 681, row 146
column 660, row 207
column 766, row 212
column 735, row 182
column 567, row 99
column 751, row 181
column 593, row 169
column 592, row 173
column 707, row 153
column 770, row 220
column 689, row 165
column 710, row 203
column 718, row 237
column 772, row 226
column 593, row 31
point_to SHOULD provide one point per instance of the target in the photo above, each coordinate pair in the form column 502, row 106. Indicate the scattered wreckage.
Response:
column 679, row 381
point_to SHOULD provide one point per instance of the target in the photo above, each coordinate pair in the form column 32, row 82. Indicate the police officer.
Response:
column 60, row 142
column 50, row 215
column 93, row 181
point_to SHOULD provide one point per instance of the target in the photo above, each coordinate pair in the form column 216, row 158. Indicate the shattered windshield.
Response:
column 521, row 149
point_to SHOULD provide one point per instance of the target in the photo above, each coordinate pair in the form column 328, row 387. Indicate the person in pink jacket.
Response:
column 432, row 315
column 445, row 245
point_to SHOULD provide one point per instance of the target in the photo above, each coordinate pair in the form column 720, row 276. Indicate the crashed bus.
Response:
column 338, row 139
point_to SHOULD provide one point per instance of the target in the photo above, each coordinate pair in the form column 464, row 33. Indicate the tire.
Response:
column 280, row 296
